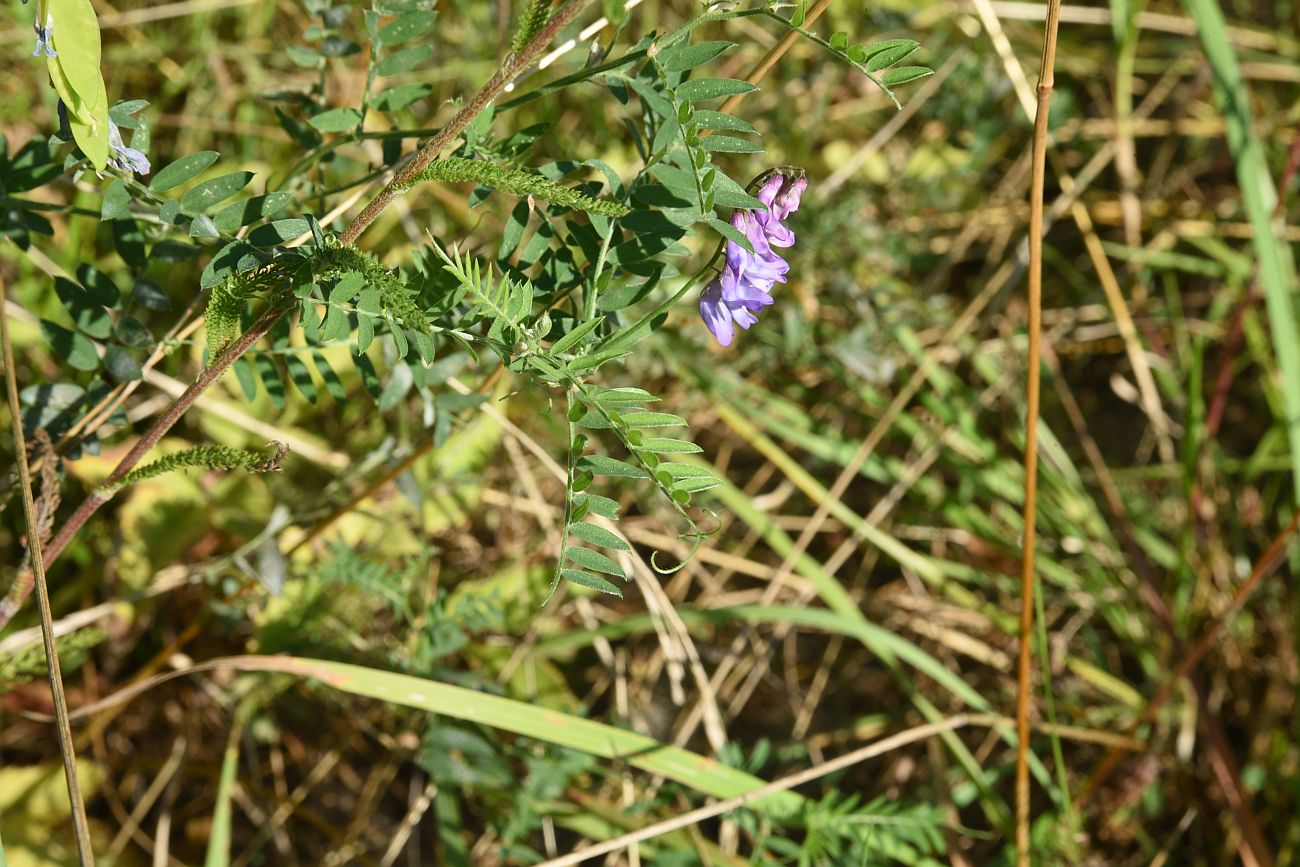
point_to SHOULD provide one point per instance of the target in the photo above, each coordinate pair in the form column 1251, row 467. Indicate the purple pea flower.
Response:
column 746, row 283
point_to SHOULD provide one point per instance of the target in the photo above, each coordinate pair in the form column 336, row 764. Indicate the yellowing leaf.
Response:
column 90, row 130
column 34, row 816
column 75, row 35
column 89, row 123
column 71, row 101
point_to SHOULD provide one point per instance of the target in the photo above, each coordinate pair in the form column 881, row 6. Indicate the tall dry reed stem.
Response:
column 85, row 853
column 1046, row 80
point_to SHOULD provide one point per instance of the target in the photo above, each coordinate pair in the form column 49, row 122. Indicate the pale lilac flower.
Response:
column 122, row 157
column 747, row 279
column 44, row 35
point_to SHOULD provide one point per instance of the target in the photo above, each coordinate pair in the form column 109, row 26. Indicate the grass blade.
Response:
column 218, row 854
column 1259, row 196
column 690, row 769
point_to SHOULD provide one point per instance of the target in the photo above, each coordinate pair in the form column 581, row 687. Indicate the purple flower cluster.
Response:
column 746, row 283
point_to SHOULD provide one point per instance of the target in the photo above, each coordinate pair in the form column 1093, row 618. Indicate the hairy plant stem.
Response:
column 507, row 72
column 85, row 853
column 1032, row 392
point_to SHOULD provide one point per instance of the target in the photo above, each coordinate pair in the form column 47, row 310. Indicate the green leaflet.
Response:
column 333, row 259
column 226, row 303
column 75, row 73
column 88, row 119
column 75, row 35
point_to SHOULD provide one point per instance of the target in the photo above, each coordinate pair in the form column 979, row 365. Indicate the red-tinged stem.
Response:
column 509, row 70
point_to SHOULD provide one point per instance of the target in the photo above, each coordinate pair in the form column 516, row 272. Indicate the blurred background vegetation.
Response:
column 1165, row 475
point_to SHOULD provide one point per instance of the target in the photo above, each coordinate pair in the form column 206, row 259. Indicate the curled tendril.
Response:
column 697, row 537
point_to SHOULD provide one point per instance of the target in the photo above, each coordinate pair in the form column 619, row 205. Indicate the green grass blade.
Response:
column 218, row 854
column 926, row 567
column 880, row 641
column 1259, row 195
column 834, row 596
column 887, row 645
column 690, row 769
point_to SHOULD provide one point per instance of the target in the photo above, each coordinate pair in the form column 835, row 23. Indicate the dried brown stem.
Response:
column 1032, row 393
column 81, row 827
column 164, row 423
column 509, row 70
column 46, row 464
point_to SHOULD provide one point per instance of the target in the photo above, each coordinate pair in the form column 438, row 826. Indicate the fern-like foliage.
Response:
column 507, row 303
column 517, row 182
column 222, row 458
column 841, row 829
column 25, row 665
column 335, row 259
column 347, row 281
column 641, row 433
column 531, row 21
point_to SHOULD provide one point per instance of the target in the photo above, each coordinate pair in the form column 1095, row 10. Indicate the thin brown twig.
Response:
column 99, row 414
column 508, row 71
column 1124, row 320
column 700, row 814
column 1033, row 386
column 81, row 827
column 164, row 423
column 46, row 465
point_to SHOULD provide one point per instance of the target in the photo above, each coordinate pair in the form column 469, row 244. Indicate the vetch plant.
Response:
column 44, row 28
column 589, row 261
column 123, row 158
column 556, row 309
